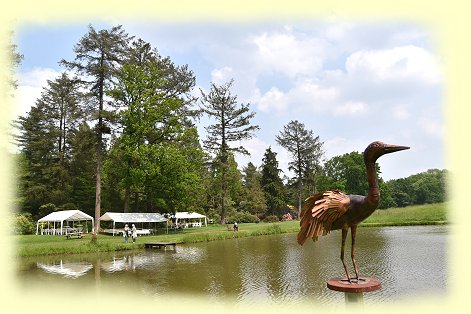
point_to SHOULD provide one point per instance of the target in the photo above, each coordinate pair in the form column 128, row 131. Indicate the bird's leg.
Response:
column 342, row 251
column 354, row 232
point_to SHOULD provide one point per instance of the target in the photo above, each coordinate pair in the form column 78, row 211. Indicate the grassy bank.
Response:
column 428, row 214
column 31, row 245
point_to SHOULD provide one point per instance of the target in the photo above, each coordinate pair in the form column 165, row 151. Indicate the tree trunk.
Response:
column 98, row 189
column 99, row 154
column 136, row 201
column 127, row 196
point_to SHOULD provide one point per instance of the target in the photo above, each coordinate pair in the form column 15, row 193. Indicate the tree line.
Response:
column 116, row 131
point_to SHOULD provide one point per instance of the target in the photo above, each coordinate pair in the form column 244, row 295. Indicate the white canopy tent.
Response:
column 132, row 217
column 188, row 216
column 60, row 217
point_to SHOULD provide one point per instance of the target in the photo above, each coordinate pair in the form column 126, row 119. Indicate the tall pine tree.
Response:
column 98, row 55
column 272, row 183
column 254, row 201
column 232, row 125
column 305, row 150
column 45, row 137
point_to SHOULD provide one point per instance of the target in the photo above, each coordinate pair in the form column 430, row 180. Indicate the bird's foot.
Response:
column 355, row 280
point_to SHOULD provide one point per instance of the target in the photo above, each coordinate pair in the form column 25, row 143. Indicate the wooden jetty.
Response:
column 160, row 245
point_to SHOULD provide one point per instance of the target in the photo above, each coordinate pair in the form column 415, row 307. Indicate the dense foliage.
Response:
column 120, row 135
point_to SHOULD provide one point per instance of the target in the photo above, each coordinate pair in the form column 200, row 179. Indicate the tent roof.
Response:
column 70, row 215
column 133, row 217
column 188, row 215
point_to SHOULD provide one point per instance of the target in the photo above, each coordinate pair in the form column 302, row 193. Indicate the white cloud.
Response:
column 351, row 108
column 305, row 93
column 337, row 146
column 400, row 113
column 274, row 99
column 30, row 86
column 313, row 93
column 398, row 63
column 337, row 31
column 288, row 53
column 222, row 75
column 431, row 127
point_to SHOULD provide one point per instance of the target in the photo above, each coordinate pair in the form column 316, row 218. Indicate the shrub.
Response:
column 46, row 209
column 23, row 224
column 271, row 218
column 245, row 217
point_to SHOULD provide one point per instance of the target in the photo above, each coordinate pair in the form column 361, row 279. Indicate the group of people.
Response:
column 130, row 232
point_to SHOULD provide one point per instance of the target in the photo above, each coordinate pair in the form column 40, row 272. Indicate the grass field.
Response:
column 412, row 215
column 30, row 245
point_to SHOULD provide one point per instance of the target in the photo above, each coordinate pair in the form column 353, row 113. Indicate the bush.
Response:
column 46, row 209
column 23, row 224
column 245, row 217
column 271, row 218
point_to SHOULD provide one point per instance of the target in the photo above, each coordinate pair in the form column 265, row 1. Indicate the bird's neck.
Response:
column 373, row 191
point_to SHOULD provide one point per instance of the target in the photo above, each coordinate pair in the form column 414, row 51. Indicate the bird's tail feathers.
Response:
column 307, row 223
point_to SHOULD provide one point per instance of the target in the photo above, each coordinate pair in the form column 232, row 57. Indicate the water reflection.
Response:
column 407, row 260
column 67, row 270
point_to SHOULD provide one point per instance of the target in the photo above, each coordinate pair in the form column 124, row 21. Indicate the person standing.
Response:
column 133, row 233
column 126, row 233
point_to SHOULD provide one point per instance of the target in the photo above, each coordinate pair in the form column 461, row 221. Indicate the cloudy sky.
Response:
column 350, row 82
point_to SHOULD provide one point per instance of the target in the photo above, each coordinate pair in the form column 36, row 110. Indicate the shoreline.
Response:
column 32, row 245
column 108, row 243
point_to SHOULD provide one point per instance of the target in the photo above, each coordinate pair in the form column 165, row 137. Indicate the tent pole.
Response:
column 37, row 228
column 113, row 226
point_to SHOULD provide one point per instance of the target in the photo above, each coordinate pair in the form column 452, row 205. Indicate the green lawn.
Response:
column 411, row 215
column 30, row 245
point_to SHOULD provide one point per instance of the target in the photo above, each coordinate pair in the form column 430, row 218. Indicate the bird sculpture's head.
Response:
column 378, row 149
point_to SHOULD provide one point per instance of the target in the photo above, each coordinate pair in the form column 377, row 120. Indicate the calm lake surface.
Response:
column 409, row 262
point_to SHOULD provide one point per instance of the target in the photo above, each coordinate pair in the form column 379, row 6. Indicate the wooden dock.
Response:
column 160, row 245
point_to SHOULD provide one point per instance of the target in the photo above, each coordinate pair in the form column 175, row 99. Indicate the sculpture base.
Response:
column 354, row 290
column 363, row 284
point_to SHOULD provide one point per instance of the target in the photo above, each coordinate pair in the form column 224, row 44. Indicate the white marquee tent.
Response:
column 189, row 216
column 132, row 218
column 59, row 218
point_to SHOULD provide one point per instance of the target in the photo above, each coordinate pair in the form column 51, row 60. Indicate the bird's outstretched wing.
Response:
column 319, row 212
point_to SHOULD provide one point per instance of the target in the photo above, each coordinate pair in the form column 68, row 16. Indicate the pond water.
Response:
column 409, row 261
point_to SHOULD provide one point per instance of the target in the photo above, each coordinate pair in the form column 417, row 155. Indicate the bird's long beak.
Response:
column 394, row 148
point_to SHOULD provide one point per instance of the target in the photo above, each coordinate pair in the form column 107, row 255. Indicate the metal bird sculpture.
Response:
column 333, row 210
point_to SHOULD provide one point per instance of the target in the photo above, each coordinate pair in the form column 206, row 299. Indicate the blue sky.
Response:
column 350, row 82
